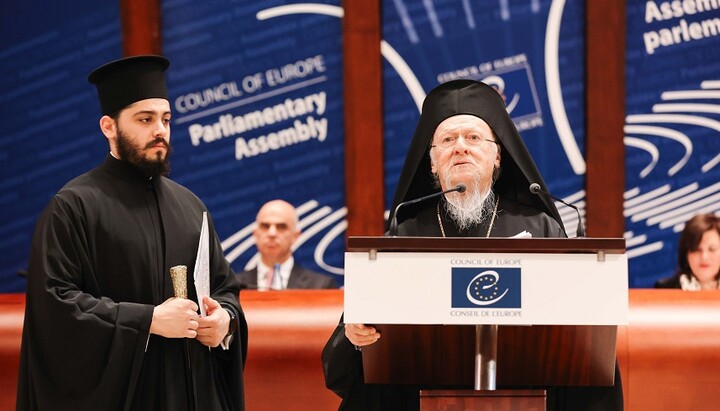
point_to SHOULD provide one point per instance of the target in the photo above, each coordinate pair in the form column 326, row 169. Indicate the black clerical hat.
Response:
column 518, row 169
column 125, row 81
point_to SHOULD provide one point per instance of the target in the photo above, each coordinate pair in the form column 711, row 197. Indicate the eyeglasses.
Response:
column 472, row 140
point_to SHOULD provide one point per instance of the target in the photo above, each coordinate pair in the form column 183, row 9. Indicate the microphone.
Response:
column 460, row 188
column 537, row 190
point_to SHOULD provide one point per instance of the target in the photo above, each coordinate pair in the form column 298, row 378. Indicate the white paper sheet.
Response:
column 202, row 266
column 523, row 234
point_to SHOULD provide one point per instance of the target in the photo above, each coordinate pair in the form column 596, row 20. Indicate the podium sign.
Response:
column 485, row 288
column 509, row 312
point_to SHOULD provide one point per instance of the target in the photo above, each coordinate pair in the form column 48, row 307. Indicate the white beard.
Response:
column 471, row 208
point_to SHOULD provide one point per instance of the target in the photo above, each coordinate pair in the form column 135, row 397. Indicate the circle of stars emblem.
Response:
column 485, row 288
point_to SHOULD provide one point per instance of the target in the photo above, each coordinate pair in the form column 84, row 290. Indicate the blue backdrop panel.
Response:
column 256, row 90
column 532, row 51
column 672, row 128
column 48, row 109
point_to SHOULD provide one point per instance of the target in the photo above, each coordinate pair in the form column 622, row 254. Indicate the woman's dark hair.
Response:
column 692, row 235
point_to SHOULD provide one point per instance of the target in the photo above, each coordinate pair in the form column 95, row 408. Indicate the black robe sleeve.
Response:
column 342, row 363
column 226, row 290
column 343, row 369
column 76, row 343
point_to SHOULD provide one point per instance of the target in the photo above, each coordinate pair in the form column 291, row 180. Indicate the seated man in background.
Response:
column 698, row 256
column 276, row 232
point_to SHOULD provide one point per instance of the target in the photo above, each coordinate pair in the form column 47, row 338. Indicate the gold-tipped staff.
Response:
column 178, row 275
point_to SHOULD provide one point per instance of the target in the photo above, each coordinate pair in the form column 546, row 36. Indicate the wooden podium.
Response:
column 535, row 313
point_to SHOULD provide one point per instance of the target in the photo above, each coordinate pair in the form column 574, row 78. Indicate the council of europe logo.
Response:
column 486, row 287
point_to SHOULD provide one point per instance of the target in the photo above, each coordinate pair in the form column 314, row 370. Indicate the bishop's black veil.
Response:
column 517, row 168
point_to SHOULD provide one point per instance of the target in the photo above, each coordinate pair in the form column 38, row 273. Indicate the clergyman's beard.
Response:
column 133, row 154
column 470, row 208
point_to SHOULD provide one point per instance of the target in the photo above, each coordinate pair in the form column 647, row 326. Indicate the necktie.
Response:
column 277, row 280
column 270, row 278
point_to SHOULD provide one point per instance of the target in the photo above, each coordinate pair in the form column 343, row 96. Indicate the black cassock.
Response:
column 342, row 363
column 99, row 263
column 510, row 219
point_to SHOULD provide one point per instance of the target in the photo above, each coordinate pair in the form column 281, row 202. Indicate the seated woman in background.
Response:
column 698, row 256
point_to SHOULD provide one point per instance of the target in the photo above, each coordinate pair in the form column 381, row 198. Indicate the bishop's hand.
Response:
column 361, row 335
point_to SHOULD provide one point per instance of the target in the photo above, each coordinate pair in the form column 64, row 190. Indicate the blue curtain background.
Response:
column 232, row 61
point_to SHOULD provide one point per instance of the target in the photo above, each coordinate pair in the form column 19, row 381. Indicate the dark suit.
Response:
column 668, row 282
column 300, row 278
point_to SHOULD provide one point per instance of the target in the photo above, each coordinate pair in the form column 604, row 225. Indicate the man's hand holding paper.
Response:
column 213, row 327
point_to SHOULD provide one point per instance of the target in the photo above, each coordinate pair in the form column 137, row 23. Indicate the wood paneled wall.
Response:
column 605, row 117
column 362, row 65
column 141, row 23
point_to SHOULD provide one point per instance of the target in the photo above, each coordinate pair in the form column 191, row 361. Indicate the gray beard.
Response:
column 470, row 209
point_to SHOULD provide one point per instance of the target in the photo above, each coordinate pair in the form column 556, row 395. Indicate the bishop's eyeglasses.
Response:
column 472, row 140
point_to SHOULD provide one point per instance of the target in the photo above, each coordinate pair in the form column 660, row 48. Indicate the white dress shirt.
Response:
column 280, row 280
